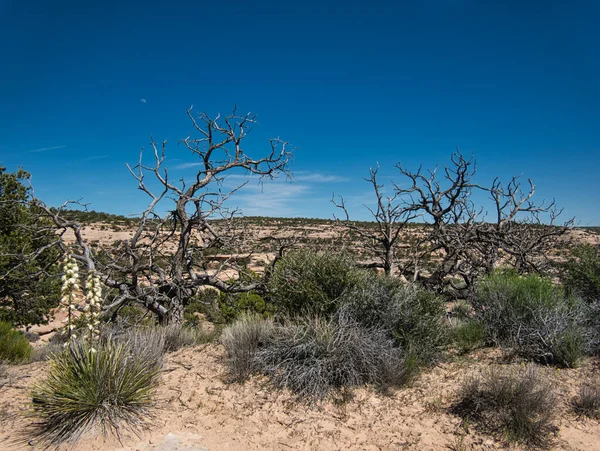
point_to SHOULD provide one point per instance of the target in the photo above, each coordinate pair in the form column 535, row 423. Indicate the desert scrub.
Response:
column 316, row 357
column 111, row 389
column 581, row 273
column 534, row 317
column 587, row 402
column 468, row 336
column 233, row 305
column 311, row 283
column 241, row 340
column 517, row 405
column 413, row 317
column 14, row 346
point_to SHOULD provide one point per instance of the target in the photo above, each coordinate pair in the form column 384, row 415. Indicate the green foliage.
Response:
column 14, row 346
column 531, row 315
column 415, row 318
column 308, row 282
column 205, row 302
column 111, row 388
column 233, row 305
column 520, row 406
column 581, row 274
column 29, row 287
column 468, row 336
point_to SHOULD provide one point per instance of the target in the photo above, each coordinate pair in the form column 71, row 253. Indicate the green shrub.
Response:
column 233, row 305
column 308, row 282
column 587, row 402
column 531, row 315
column 468, row 336
column 242, row 340
column 581, row 274
column 317, row 357
column 111, row 388
column 519, row 406
column 14, row 346
column 415, row 318
column 205, row 302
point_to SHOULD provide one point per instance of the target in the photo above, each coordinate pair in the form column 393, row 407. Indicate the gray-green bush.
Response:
column 532, row 316
column 414, row 318
column 111, row 388
column 519, row 406
column 581, row 274
column 316, row 357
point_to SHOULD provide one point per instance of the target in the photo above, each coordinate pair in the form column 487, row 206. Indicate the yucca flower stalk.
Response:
column 93, row 308
column 69, row 290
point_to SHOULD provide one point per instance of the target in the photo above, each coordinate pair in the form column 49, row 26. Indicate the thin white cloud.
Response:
column 187, row 165
column 317, row 177
column 271, row 199
column 44, row 149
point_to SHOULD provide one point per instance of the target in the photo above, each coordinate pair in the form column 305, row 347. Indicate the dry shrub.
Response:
column 242, row 340
column 316, row 357
column 518, row 405
column 587, row 403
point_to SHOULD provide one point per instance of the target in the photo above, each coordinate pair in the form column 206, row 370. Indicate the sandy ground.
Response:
column 198, row 410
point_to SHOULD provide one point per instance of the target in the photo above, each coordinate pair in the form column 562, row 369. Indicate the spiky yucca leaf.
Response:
column 109, row 388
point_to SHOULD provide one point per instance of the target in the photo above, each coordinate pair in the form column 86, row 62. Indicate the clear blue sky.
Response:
column 351, row 84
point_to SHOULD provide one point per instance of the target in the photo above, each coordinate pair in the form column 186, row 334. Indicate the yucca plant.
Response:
column 110, row 388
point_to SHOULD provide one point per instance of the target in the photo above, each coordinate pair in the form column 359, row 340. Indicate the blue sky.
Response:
column 350, row 84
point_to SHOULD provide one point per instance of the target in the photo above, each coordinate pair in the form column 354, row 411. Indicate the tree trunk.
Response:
column 388, row 263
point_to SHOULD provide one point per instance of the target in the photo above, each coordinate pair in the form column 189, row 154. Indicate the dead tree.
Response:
column 461, row 243
column 163, row 264
column 391, row 217
column 458, row 242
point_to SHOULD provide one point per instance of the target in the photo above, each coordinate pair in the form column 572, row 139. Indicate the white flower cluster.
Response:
column 69, row 287
column 93, row 300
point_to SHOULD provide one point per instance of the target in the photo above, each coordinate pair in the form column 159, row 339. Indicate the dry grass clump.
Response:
column 518, row 405
column 242, row 340
column 110, row 389
column 587, row 403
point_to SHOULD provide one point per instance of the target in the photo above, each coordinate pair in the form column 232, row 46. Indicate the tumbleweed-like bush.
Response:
column 316, row 357
column 518, row 405
column 413, row 317
column 110, row 389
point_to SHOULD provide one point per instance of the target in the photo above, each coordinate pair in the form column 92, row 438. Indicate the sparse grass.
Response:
column 112, row 388
column 14, row 346
column 163, row 339
column 45, row 352
column 242, row 340
column 587, row 402
column 519, row 406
